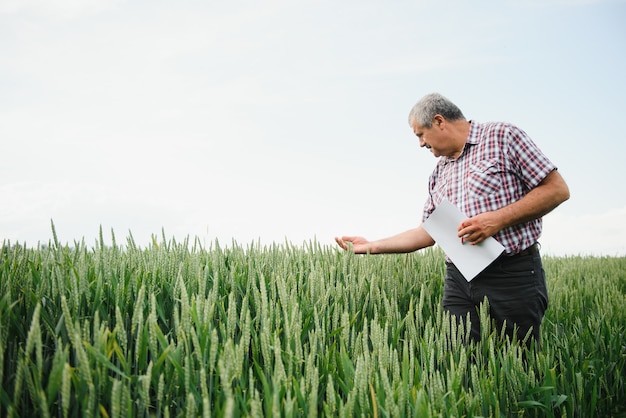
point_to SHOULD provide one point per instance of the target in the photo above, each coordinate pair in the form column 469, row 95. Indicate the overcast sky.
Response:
column 287, row 120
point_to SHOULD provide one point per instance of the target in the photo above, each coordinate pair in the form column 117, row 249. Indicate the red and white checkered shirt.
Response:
column 498, row 166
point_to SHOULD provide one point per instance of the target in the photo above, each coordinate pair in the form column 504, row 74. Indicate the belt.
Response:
column 533, row 249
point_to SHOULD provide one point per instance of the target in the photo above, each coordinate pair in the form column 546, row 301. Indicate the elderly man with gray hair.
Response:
column 498, row 177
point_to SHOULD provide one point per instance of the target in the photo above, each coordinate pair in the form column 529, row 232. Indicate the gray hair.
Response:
column 433, row 104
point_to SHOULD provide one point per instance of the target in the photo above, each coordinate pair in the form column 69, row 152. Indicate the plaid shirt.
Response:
column 498, row 166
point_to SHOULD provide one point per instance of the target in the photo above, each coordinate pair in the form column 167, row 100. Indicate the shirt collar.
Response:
column 474, row 135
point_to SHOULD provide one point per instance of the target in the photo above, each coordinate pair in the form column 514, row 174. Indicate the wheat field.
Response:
column 181, row 329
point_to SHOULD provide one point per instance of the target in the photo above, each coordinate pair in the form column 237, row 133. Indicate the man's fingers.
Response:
column 463, row 231
column 342, row 242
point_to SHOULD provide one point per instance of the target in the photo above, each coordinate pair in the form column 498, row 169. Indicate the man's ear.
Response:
column 438, row 121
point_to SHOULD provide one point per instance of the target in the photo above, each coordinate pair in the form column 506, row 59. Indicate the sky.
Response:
column 275, row 121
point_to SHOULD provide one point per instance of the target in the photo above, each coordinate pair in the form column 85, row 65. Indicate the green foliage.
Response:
column 176, row 329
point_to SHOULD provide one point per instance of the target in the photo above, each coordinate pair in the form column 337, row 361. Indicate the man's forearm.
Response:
column 405, row 242
column 541, row 200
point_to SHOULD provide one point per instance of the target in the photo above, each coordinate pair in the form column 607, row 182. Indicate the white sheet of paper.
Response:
column 470, row 259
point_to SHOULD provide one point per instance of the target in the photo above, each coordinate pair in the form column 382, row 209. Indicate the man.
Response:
column 497, row 176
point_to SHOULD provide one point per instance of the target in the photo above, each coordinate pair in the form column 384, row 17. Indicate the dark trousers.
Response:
column 515, row 288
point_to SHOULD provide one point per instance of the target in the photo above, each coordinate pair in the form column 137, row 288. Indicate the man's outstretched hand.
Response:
column 358, row 245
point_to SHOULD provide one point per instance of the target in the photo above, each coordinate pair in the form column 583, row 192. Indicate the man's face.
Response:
column 431, row 138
